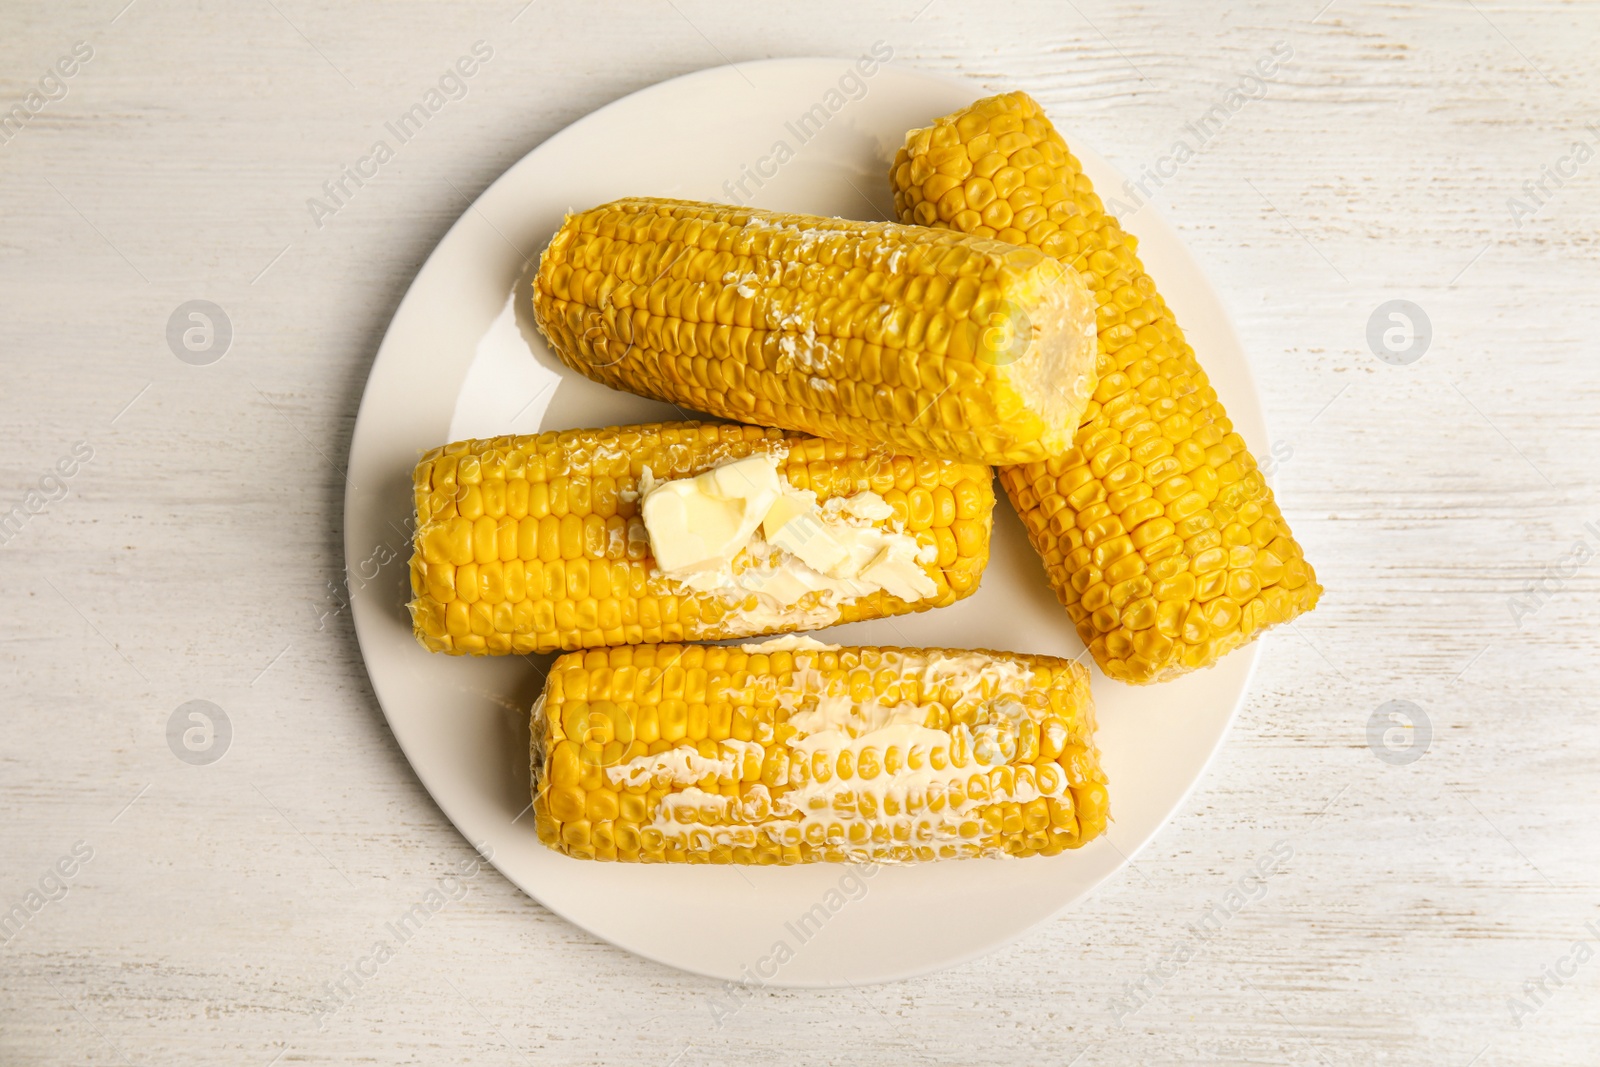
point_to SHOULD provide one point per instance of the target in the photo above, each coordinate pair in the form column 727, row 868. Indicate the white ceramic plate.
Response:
column 455, row 364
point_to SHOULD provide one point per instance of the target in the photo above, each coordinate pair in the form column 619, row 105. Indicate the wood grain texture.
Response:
column 194, row 554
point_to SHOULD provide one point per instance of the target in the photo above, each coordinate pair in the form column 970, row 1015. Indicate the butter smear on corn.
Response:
column 741, row 528
column 822, row 727
column 768, row 754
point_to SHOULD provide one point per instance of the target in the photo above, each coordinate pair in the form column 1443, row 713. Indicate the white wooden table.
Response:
column 193, row 553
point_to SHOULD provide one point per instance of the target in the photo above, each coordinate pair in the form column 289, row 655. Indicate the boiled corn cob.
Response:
column 877, row 333
column 1158, row 532
column 534, row 544
column 796, row 752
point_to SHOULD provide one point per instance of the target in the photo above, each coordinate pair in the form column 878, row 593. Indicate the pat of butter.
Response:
column 897, row 573
column 795, row 527
column 783, row 510
column 700, row 524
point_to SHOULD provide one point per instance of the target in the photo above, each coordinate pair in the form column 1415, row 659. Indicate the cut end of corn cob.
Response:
column 693, row 754
column 877, row 333
column 1158, row 531
column 536, row 543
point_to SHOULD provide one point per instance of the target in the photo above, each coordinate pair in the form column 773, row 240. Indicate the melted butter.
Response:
column 790, row 643
column 841, row 715
column 935, row 795
column 684, row 765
